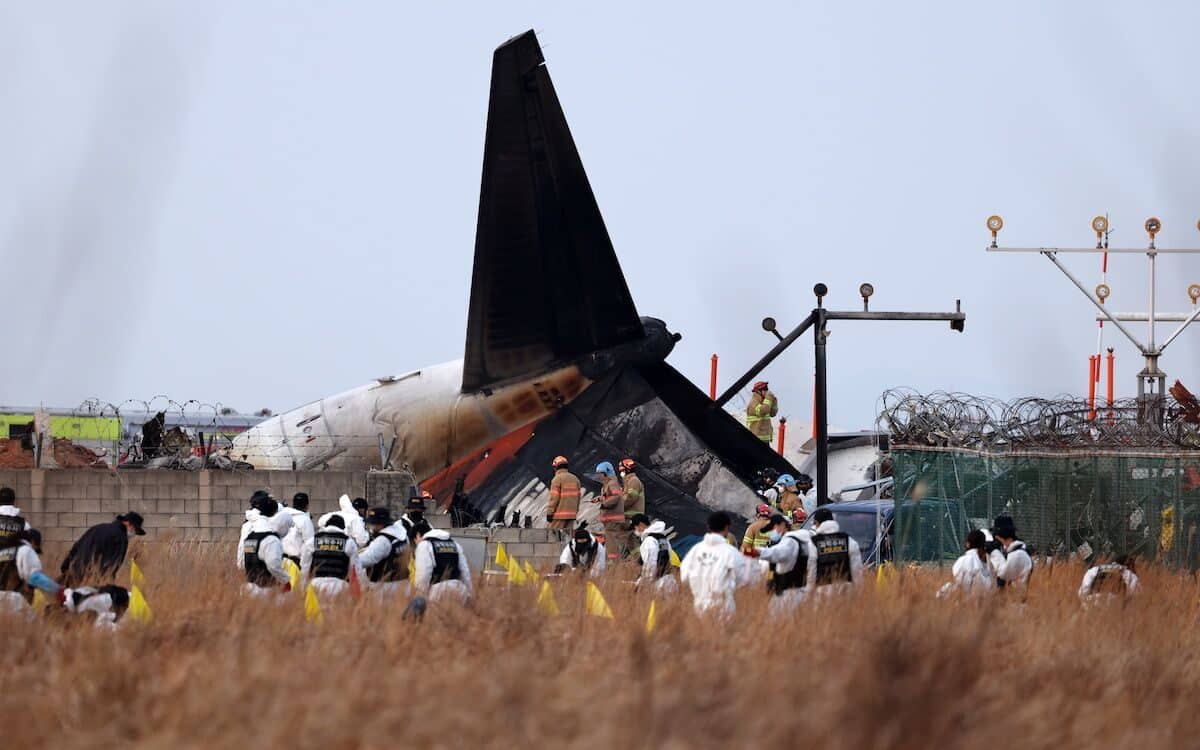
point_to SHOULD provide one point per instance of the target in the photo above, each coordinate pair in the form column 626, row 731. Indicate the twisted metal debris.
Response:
column 959, row 420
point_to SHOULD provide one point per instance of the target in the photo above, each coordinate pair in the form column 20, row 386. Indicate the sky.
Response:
column 260, row 204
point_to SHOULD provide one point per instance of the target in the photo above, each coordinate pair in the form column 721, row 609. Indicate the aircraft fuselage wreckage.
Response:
column 557, row 359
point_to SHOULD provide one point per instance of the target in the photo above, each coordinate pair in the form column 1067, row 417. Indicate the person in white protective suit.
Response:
column 441, row 566
column 972, row 573
column 714, row 569
column 331, row 558
column 655, row 556
column 20, row 566
column 791, row 557
column 1012, row 562
column 302, row 528
column 386, row 558
column 585, row 552
column 260, row 550
column 356, row 529
column 281, row 521
column 839, row 560
column 107, row 604
column 1109, row 582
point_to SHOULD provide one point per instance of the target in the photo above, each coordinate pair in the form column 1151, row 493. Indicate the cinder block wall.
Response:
column 209, row 506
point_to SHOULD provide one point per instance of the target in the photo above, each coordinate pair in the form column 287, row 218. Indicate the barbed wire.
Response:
column 960, row 420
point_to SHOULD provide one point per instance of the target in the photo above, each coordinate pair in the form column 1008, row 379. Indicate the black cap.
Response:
column 583, row 535
column 821, row 515
column 380, row 517
column 1004, row 526
column 416, row 502
column 639, row 518
column 360, row 503
column 7, row 496
column 257, row 499
column 135, row 520
column 776, row 519
column 268, row 507
column 336, row 520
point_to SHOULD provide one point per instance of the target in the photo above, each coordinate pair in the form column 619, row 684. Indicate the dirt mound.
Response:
column 68, row 455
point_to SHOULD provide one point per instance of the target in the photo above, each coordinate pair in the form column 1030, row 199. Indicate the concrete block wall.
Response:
column 209, row 506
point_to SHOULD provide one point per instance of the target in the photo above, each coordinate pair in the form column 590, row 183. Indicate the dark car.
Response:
column 929, row 531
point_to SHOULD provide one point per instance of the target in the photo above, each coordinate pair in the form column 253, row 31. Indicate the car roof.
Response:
column 861, row 506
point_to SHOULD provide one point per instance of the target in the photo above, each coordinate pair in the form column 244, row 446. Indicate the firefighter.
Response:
column 757, row 536
column 759, row 411
column 565, row 490
column 713, row 569
column 441, row 568
column 20, row 567
column 767, row 481
column 612, row 507
column 331, row 558
column 1114, row 580
column 634, row 502
column 261, row 550
column 792, row 559
column 386, row 558
column 839, row 561
column 655, row 556
column 584, row 552
column 789, row 496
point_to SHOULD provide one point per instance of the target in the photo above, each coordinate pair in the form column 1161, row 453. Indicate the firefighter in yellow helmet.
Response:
column 763, row 405
column 565, row 490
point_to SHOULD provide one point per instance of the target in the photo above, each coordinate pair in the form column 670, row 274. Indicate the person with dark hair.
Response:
column 301, row 527
column 792, row 560
column 385, row 559
column 973, row 571
column 654, row 556
column 839, row 561
column 100, row 552
column 441, row 568
column 713, row 569
column 20, row 566
column 331, row 557
column 1011, row 561
column 7, row 496
column 1109, row 581
column 584, row 552
column 414, row 512
column 260, row 551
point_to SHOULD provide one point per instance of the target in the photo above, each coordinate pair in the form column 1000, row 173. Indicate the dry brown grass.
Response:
column 892, row 667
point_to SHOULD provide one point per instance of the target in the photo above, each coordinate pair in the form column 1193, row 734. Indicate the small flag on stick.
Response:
column 40, row 602
column 531, row 574
column 293, row 571
column 135, row 575
column 139, row 610
column 596, row 604
column 312, row 607
column 516, row 575
column 501, row 556
column 675, row 558
column 652, row 617
column 546, row 601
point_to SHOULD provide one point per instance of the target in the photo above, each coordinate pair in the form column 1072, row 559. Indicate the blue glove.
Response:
column 40, row 580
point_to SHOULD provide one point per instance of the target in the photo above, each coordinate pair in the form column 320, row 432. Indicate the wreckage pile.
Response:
column 67, row 455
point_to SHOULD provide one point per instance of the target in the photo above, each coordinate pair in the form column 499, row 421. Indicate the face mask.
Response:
column 775, row 537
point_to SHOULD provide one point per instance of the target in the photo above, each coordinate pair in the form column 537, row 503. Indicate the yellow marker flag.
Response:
column 40, row 602
column 501, row 556
column 135, row 574
column 652, row 617
column 412, row 571
column 531, row 574
column 293, row 571
column 675, row 558
column 312, row 607
column 546, row 601
column 139, row 610
column 883, row 574
column 596, row 604
column 515, row 574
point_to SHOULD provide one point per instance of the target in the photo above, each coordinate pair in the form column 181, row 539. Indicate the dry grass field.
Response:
column 890, row 667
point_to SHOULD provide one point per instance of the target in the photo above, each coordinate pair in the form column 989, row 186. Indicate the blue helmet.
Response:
column 787, row 480
column 606, row 468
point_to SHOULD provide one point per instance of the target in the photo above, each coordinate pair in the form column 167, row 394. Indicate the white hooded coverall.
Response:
column 785, row 554
column 424, row 563
column 649, row 578
column 270, row 549
column 714, row 569
column 326, row 586
column 598, row 564
column 856, row 564
column 378, row 550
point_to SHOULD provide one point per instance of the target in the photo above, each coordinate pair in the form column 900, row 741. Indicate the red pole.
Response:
column 782, row 433
column 1110, row 386
column 1092, row 386
column 712, row 380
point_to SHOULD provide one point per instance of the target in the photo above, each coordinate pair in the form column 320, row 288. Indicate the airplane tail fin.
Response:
column 546, row 286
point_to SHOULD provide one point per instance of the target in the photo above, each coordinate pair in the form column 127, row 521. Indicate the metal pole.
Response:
column 821, row 407
column 767, row 359
column 1150, row 345
column 712, row 379
column 1096, row 302
column 1175, row 334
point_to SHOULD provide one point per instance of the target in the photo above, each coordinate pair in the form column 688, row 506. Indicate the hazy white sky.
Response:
column 265, row 203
